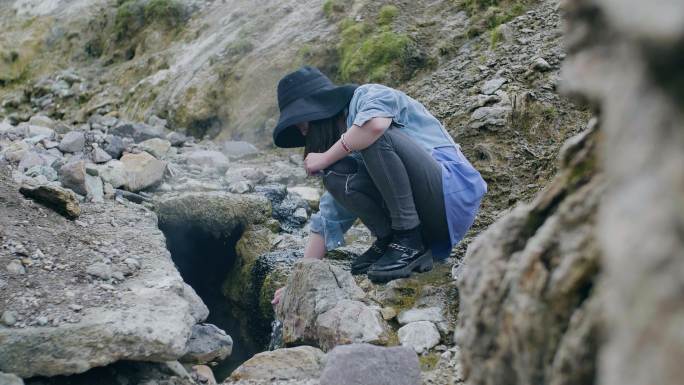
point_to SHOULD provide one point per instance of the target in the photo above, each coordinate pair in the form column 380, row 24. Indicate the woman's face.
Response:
column 303, row 128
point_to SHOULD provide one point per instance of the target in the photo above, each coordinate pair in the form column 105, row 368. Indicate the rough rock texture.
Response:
column 627, row 58
column 419, row 336
column 298, row 363
column 207, row 343
column 142, row 171
column 367, row 364
column 68, row 321
column 316, row 303
column 528, row 282
column 61, row 200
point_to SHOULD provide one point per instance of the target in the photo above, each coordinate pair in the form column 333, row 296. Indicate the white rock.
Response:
column 421, row 336
column 350, row 322
column 311, row 195
column 432, row 314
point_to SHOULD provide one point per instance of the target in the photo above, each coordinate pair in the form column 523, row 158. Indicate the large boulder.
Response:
column 321, row 305
column 299, row 363
column 373, row 365
column 78, row 321
column 142, row 171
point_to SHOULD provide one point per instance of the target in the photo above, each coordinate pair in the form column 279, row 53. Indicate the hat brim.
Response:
column 321, row 105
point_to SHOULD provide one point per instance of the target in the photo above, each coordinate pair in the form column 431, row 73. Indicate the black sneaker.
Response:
column 365, row 260
column 399, row 262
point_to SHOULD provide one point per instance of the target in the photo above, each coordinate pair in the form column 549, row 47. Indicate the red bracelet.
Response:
column 344, row 145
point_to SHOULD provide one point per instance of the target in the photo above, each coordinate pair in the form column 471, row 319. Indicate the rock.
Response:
column 59, row 199
column 420, row 336
column 74, row 176
column 237, row 149
column 241, row 187
column 300, row 363
column 95, row 188
column 8, row 318
column 142, row 171
column 372, row 365
column 15, row 151
column 100, row 156
column 541, row 65
column 42, row 121
column 113, row 172
column 156, row 146
column 100, row 270
column 32, row 159
column 208, row 160
column 207, row 343
column 489, row 117
column 156, row 121
column 176, row 139
column 72, row 142
column 300, row 214
column 311, row 195
column 10, row 379
column 492, row 85
column 350, row 322
column 114, row 146
column 432, row 314
column 314, row 287
column 137, row 131
column 203, row 374
column 48, row 172
column 33, row 131
column 15, row 267
column 238, row 174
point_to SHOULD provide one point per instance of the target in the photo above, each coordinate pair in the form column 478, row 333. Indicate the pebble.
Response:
column 9, row 318
column 42, row 321
column 16, row 268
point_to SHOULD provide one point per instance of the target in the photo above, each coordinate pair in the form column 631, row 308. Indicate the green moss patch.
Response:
column 134, row 15
column 488, row 14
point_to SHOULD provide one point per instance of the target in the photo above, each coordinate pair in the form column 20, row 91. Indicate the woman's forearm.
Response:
column 315, row 246
column 358, row 138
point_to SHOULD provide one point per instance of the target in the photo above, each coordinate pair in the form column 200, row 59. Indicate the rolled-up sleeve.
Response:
column 376, row 102
column 332, row 221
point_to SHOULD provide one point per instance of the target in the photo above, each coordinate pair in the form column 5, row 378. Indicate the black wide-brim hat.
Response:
column 303, row 96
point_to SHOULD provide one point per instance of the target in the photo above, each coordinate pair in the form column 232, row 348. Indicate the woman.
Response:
column 384, row 159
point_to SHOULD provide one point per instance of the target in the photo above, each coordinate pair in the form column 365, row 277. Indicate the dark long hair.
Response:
column 322, row 134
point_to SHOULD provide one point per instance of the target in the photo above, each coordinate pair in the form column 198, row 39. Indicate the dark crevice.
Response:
column 204, row 261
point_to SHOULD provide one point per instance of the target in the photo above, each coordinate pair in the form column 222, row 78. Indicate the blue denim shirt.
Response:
column 463, row 185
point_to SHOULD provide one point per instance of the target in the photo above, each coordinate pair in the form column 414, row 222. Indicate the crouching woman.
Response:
column 385, row 160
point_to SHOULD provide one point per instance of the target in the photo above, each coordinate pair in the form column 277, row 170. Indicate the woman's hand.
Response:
column 315, row 162
column 277, row 295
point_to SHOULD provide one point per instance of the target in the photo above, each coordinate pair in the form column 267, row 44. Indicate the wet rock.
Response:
column 492, row 85
column 142, row 171
column 367, row 364
column 237, row 149
column 72, row 142
column 420, row 336
column 157, row 147
column 59, row 199
column 314, row 287
column 137, row 131
column 208, row 160
column 114, row 146
column 299, row 363
column 351, row 322
column 207, row 343
column 10, row 379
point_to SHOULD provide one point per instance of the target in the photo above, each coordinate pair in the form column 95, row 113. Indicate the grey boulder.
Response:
column 371, row 365
column 142, row 171
column 73, row 141
column 207, row 343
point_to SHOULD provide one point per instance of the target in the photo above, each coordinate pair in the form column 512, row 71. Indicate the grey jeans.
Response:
column 397, row 185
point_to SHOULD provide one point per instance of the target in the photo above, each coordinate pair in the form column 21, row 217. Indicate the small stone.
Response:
column 42, row 321
column 541, row 65
column 119, row 276
column 432, row 314
column 100, row 270
column 100, row 156
column 388, row 313
column 300, row 214
column 9, row 318
column 15, row 268
column 75, row 307
column 72, row 142
column 132, row 263
column 204, row 374
column 156, row 146
column 241, row 187
column 491, row 86
column 207, row 343
column 421, row 336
